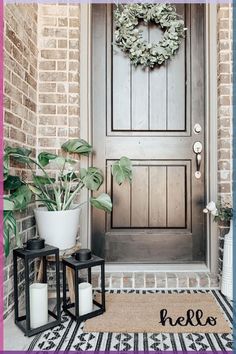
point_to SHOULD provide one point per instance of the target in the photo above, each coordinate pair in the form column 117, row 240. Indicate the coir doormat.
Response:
column 160, row 313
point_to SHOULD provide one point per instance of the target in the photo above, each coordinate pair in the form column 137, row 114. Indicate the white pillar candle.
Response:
column 85, row 298
column 38, row 305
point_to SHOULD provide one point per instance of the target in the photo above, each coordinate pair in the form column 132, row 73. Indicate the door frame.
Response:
column 211, row 136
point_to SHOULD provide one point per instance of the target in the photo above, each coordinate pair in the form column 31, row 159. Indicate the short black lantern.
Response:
column 36, row 317
column 84, row 305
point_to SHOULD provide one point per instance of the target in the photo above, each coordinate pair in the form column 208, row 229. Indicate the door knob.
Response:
column 197, row 148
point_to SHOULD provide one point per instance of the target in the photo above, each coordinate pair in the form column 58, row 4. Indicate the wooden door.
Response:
column 150, row 116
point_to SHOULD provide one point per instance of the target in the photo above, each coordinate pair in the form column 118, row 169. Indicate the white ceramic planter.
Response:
column 58, row 228
column 227, row 274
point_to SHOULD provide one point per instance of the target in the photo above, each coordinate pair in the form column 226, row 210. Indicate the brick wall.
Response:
column 58, row 94
column 41, row 84
column 20, row 108
column 225, row 88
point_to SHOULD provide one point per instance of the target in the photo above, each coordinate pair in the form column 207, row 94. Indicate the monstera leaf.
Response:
column 45, row 157
column 5, row 167
column 10, row 228
column 122, row 170
column 18, row 200
column 17, row 150
column 18, row 153
column 102, row 202
column 12, row 183
column 78, row 146
column 21, row 197
column 92, row 178
column 8, row 204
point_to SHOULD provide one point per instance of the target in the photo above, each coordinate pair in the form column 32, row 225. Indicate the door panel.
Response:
column 147, row 100
column 149, row 115
column 157, row 197
column 176, row 197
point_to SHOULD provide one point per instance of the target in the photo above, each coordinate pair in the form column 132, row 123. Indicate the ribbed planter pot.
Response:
column 58, row 228
column 227, row 274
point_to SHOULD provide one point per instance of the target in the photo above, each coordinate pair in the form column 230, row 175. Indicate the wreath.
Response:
column 130, row 40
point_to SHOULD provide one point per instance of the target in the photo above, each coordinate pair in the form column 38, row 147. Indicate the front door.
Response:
column 154, row 117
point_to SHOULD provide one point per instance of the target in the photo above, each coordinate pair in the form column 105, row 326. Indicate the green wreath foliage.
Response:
column 129, row 38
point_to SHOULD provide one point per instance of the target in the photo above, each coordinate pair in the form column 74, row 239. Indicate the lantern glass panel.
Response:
column 83, row 305
column 33, row 312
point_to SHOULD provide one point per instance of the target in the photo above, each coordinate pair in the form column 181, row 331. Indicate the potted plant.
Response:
column 57, row 216
column 224, row 213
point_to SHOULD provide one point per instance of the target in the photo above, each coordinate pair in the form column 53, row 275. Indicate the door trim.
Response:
column 211, row 126
column 85, row 113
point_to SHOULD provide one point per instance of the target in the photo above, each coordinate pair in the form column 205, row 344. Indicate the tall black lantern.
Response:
column 36, row 317
column 77, row 263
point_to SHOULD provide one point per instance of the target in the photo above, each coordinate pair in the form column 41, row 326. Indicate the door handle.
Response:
column 197, row 148
column 199, row 159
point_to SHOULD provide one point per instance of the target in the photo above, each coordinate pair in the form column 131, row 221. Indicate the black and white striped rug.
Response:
column 70, row 336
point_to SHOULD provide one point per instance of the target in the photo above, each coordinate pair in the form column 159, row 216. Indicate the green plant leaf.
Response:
column 78, row 146
column 42, row 180
column 21, row 158
column 69, row 176
column 34, row 189
column 5, row 166
column 60, row 161
column 45, row 157
column 12, row 183
column 82, row 173
column 10, row 227
column 102, row 202
column 17, row 150
column 21, row 197
column 122, row 170
column 92, row 178
column 19, row 154
column 8, row 204
column 6, row 240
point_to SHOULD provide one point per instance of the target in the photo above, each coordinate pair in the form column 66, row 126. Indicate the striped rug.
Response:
column 70, row 336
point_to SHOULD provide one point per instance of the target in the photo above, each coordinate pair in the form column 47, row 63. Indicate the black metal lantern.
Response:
column 78, row 262
column 36, row 317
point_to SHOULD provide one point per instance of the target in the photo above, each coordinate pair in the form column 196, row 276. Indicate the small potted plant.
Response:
column 57, row 216
column 224, row 213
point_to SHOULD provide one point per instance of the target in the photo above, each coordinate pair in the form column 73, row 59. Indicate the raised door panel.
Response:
column 157, row 197
column 149, row 99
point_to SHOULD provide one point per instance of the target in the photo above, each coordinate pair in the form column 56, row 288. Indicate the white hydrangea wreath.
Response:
column 130, row 40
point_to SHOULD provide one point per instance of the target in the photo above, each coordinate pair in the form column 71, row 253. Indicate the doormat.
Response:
column 160, row 313
column 71, row 336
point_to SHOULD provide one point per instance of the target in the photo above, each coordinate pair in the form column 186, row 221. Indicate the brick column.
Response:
column 225, row 88
column 58, row 97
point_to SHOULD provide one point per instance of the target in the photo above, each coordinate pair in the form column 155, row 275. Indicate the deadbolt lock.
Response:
column 197, row 128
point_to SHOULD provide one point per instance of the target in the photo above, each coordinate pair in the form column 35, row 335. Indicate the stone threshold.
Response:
column 157, row 280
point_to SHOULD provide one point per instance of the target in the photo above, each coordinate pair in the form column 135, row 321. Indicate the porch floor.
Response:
column 70, row 336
